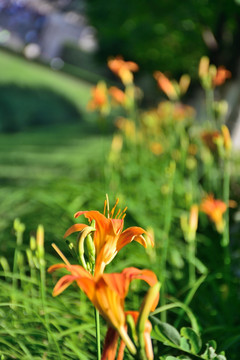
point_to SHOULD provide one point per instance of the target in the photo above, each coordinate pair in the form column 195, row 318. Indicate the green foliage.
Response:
column 19, row 71
column 23, row 107
column 189, row 342
column 165, row 35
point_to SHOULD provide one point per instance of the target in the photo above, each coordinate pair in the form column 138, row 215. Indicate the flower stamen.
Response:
column 61, row 254
column 113, row 209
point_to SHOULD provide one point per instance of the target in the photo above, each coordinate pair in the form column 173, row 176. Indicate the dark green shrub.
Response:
column 23, row 107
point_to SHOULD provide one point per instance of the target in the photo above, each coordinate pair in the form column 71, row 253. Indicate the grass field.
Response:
column 17, row 70
column 47, row 168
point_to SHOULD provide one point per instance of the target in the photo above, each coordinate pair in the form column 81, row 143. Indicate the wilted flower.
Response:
column 209, row 138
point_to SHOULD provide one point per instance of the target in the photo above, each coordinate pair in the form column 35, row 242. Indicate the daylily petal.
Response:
column 130, row 234
column 110, row 344
column 79, row 271
column 88, row 286
column 74, row 228
column 116, row 282
column 63, row 283
column 56, row 267
column 105, row 256
column 146, row 275
column 104, row 227
column 117, row 225
column 109, row 303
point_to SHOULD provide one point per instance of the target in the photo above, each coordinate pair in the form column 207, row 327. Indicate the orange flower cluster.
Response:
column 172, row 89
column 107, row 292
column 210, row 75
column 123, row 69
column 99, row 100
column 214, row 209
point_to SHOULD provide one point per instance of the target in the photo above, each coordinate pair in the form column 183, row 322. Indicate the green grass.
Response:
column 16, row 70
column 47, row 173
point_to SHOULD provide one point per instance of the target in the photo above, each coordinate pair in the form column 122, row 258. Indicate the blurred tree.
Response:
column 168, row 34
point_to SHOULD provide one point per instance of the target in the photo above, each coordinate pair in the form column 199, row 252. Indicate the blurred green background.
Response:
column 54, row 159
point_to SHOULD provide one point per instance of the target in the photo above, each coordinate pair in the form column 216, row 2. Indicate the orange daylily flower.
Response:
column 165, row 85
column 111, row 341
column 109, row 237
column 99, row 100
column 107, row 292
column 221, row 76
column 118, row 95
column 215, row 209
column 123, row 69
column 156, row 148
column 172, row 89
column 210, row 75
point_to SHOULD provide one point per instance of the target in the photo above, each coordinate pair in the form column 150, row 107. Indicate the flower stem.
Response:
column 97, row 323
column 225, row 238
column 167, row 226
column 191, row 254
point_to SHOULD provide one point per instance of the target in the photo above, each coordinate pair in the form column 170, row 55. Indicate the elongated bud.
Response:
column 193, row 222
column 124, row 335
column 33, row 244
column 40, row 241
column 18, row 226
column 83, row 235
column 90, row 249
column 132, row 327
column 226, row 139
column 148, row 304
column 203, row 67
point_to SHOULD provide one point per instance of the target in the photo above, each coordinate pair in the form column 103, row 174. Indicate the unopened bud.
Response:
column 40, row 241
column 148, row 304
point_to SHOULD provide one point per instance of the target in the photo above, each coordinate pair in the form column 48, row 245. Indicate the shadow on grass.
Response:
column 22, row 107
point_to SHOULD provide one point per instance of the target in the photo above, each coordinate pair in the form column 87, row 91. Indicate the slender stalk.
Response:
column 225, row 238
column 19, row 229
column 209, row 104
column 165, row 240
column 97, row 322
column 191, row 266
column 42, row 269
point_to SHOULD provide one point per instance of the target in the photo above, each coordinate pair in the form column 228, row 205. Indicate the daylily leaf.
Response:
column 194, row 340
column 165, row 333
column 185, row 344
column 210, row 352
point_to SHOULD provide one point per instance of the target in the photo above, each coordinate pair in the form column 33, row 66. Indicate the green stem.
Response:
column 209, row 104
column 225, row 238
column 97, row 322
column 165, row 240
column 191, row 257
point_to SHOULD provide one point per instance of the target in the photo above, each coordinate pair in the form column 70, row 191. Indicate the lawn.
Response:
column 19, row 71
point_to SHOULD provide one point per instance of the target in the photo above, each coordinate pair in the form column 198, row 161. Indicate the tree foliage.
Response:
column 167, row 34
